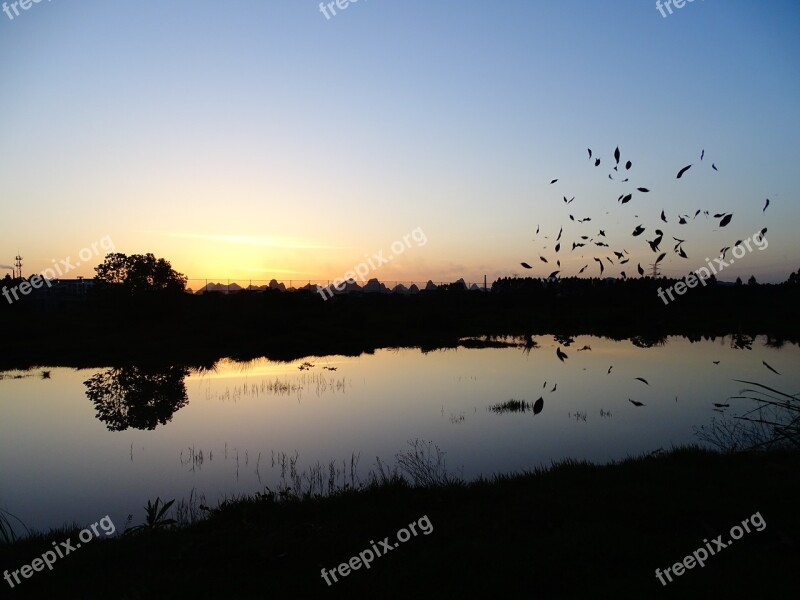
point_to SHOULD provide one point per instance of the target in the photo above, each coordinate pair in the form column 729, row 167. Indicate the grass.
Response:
column 773, row 423
column 570, row 530
column 511, row 406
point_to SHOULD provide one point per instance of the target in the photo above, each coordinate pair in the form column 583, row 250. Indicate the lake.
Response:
column 76, row 445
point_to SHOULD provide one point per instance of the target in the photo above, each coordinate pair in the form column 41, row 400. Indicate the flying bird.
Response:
column 663, row 216
column 635, row 403
column 561, row 355
column 597, row 162
column 713, row 166
column 609, row 369
column 640, row 269
column 538, row 406
column 543, row 259
column 770, row 368
column 582, row 270
column 616, row 155
column 725, row 220
column 602, row 268
column 552, row 182
column 642, row 380
column 553, row 274
column 702, row 154
column 682, row 171
column 626, row 199
column 628, row 165
column 643, row 190
column 716, row 362
column 765, row 206
column 590, row 152
column 638, row 231
column 554, row 388
column 718, row 405
column 526, row 265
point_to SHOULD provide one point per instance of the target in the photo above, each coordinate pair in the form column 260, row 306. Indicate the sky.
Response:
column 262, row 139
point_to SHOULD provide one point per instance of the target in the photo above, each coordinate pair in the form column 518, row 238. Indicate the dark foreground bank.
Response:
column 573, row 531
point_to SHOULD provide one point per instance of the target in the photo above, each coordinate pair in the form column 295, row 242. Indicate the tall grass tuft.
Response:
column 774, row 423
column 7, row 533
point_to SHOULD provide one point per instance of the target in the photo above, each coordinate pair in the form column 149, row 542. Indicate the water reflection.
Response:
column 137, row 397
column 235, row 416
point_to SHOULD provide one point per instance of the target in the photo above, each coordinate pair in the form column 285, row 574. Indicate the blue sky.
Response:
column 260, row 139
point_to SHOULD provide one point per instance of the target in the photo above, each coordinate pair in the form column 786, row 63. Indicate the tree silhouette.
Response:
column 138, row 273
column 138, row 397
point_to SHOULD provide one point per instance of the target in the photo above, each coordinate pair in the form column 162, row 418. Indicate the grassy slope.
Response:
column 574, row 531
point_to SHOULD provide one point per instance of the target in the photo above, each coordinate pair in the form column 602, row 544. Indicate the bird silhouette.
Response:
column 561, row 355
column 635, row 403
column 770, row 368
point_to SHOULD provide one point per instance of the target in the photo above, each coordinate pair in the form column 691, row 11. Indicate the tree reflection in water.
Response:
column 138, row 397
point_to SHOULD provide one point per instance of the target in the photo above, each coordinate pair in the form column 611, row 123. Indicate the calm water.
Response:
column 76, row 446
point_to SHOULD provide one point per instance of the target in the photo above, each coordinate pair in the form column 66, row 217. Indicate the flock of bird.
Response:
column 622, row 256
column 562, row 356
